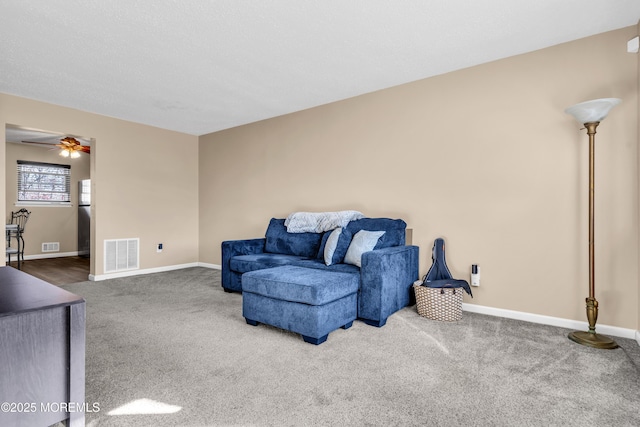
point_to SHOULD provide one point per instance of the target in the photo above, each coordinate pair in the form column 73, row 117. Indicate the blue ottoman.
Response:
column 307, row 301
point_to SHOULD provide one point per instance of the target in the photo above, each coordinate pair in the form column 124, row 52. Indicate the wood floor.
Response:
column 57, row 271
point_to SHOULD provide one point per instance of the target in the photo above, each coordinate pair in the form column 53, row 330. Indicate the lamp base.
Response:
column 593, row 340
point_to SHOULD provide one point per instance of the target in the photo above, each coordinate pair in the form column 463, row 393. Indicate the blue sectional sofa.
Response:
column 381, row 278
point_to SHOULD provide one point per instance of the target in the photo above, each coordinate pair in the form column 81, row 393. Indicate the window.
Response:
column 46, row 183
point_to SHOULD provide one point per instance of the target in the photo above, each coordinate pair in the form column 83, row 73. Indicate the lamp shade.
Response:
column 592, row 111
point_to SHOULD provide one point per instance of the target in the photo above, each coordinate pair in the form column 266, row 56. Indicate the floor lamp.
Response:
column 591, row 113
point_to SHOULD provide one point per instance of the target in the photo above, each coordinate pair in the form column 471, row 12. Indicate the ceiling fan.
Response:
column 72, row 147
column 69, row 146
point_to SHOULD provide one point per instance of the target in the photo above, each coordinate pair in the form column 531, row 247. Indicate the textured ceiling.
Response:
column 202, row 66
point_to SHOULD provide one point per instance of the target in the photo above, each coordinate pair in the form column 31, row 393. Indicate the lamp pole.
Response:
column 590, row 113
column 591, row 131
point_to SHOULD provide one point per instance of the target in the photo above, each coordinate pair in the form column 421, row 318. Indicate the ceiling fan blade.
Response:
column 36, row 142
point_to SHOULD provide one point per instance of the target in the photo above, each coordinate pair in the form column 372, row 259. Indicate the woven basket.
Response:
column 439, row 303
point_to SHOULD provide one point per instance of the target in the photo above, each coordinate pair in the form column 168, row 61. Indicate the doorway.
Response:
column 51, row 233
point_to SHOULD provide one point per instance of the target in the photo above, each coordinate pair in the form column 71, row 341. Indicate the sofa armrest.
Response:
column 386, row 277
column 231, row 248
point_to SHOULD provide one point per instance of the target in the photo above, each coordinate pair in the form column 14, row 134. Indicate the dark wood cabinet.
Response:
column 42, row 352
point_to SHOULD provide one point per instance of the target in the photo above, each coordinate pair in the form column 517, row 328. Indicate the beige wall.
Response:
column 484, row 157
column 46, row 223
column 144, row 180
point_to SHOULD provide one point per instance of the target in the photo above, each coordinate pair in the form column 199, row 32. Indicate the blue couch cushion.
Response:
column 299, row 284
column 394, row 229
column 244, row 263
column 340, row 249
column 320, row 265
column 323, row 244
column 278, row 241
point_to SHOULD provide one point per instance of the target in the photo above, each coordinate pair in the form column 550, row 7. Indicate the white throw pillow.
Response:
column 331, row 244
column 363, row 241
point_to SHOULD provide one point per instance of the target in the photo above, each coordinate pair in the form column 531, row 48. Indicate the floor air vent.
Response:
column 121, row 254
column 51, row 247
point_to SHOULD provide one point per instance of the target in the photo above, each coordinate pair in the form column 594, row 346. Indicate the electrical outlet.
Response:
column 159, row 248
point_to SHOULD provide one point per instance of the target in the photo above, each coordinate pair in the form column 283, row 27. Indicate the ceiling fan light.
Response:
column 75, row 154
column 64, row 153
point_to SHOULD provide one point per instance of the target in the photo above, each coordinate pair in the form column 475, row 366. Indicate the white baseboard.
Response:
column 50, row 255
column 207, row 265
column 553, row 321
column 98, row 277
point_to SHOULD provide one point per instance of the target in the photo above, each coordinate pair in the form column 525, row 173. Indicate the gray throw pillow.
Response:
column 363, row 241
column 331, row 245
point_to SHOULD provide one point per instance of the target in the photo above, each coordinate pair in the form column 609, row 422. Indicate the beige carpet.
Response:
column 172, row 349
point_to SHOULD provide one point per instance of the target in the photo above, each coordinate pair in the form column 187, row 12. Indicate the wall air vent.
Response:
column 51, row 247
column 121, row 255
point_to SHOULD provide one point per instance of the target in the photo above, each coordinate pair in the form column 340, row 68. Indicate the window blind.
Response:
column 44, row 182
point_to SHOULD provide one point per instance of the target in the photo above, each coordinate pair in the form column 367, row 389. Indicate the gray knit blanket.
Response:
column 319, row 222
